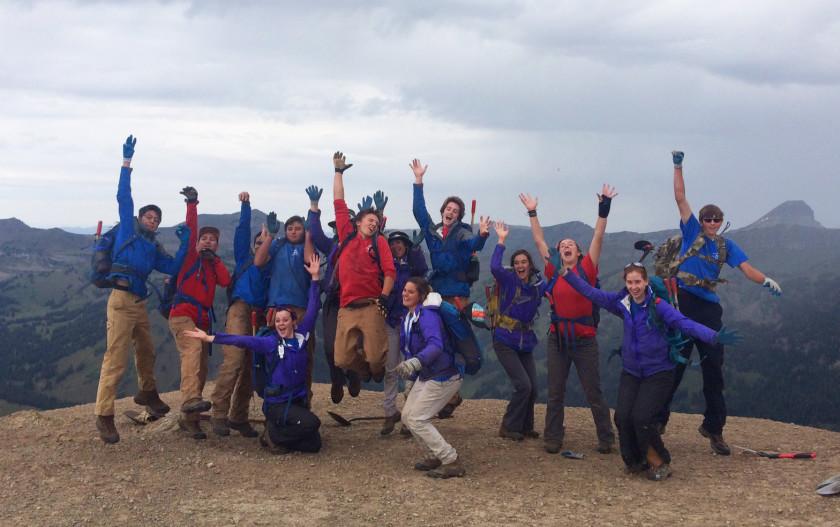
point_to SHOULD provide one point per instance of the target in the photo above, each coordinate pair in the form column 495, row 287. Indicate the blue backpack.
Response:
column 468, row 352
column 103, row 256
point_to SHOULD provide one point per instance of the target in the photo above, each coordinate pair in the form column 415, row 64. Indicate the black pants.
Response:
column 293, row 426
column 639, row 402
column 709, row 314
column 519, row 365
column 329, row 320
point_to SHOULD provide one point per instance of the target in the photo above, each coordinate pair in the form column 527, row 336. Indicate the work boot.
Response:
column 193, row 428
column 553, row 447
column 660, row 428
column 390, row 422
column 107, row 430
column 379, row 376
column 195, row 405
column 220, row 426
column 151, row 399
column 404, row 431
column 531, row 434
column 427, row 464
column 636, row 468
column 268, row 444
column 449, row 409
column 604, row 447
column 660, row 473
column 510, row 434
column 337, row 393
column 354, row 384
column 450, row 470
column 245, row 429
column 719, row 446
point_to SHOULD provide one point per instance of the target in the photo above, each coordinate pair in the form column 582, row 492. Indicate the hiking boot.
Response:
column 151, row 400
column 450, row 470
column 245, row 429
column 636, row 468
column 268, row 444
column 404, row 431
column 195, row 405
column 531, row 434
column 390, row 422
column 719, row 446
column 604, row 447
column 553, row 447
column 337, row 393
column 510, row 434
column 379, row 376
column 354, row 384
column 430, row 463
column 107, row 430
column 220, row 426
column 193, row 428
column 366, row 377
column 449, row 409
column 660, row 473
column 660, row 428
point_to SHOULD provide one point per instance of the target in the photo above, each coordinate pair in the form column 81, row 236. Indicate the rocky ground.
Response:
column 56, row 471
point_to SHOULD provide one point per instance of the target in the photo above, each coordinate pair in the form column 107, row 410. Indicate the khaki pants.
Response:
column 425, row 400
column 235, row 384
column 193, row 354
column 368, row 323
column 128, row 323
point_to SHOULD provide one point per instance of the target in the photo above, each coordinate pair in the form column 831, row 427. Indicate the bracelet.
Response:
column 340, row 170
column 532, row 213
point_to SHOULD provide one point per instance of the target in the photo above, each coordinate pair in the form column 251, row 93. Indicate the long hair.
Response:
column 423, row 287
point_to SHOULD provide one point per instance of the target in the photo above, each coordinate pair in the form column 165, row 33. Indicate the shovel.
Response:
column 796, row 455
column 347, row 422
column 829, row 487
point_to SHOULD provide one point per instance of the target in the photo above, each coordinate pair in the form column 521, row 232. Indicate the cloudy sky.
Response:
column 498, row 97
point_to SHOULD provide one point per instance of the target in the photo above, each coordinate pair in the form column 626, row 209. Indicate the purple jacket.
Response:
column 290, row 372
column 326, row 245
column 429, row 341
column 525, row 308
column 412, row 264
column 644, row 350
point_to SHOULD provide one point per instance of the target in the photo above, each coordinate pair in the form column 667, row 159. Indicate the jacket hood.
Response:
column 433, row 300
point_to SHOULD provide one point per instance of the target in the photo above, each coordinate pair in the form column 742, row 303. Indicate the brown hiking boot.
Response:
column 604, row 447
column 450, row 470
column 719, row 446
column 195, row 405
column 268, row 444
column 151, row 399
column 553, row 447
column 245, row 429
column 354, row 384
column 107, row 430
column 510, row 434
column 336, row 392
column 660, row 473
column 379, row 376
column 390, row 422
column 449, row 409
column 220, row 426
column 430, row 463
column 193, row 428
column 531, row 434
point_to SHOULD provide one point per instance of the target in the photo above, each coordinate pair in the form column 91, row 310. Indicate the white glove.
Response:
column 771, row 284
column 407, row 368
column 408, row 386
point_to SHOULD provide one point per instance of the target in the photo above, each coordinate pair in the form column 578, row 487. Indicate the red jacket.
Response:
column 358, row 274
column 201, row 284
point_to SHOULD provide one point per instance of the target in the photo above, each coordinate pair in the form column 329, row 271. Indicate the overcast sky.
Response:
column 497, row 97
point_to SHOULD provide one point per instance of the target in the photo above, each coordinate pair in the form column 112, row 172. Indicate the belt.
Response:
column 360, row 303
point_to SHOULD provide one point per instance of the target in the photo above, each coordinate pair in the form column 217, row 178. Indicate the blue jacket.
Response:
column 423, row 335
column 525, row 309
column 252, row 284
column 450, row 256
column 288, row 279
column 138, row 258
column 413, row 263
column 290, row 373
column 644, row 351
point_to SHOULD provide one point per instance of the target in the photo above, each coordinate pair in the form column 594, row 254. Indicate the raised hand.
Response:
column 244, row 197
column 502, row 231
column 556, row 261
column 366, row 203
column 484, row 226
column 128, row 148
column 340, row 162
column 417, row 237
column 183, row 233
column 314, row 265
column 678, row 158
column 271, row 223
column 380, row 200
column 418, row 169
column 314, row 193
column 605, row 199
column 530, row 203
column 190, row 194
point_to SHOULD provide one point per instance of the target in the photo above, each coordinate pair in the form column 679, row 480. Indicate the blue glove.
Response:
column 728, row 337
column 305, row 222
column 678, row 158
column 271, row 223
column 555, row 259
column 128, row 148
column 183, row 233
column 417, row 237
column 367, row 201
column 771, row 284
column 380, row 200
column 314, row 193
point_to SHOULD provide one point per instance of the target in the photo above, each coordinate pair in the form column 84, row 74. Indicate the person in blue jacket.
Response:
column 648, row 372
column 520, row 290
column 235, row 384
column 137, row 254
column 289, row 423
column 431, row 376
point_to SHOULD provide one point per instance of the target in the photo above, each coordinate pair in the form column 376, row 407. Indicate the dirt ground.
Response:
column 56, row 471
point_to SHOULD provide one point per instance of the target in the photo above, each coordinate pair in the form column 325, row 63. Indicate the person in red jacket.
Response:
column 366, row 275
column 201, row 272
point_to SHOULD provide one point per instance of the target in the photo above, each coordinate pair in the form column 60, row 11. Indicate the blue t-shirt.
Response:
column 700, row 267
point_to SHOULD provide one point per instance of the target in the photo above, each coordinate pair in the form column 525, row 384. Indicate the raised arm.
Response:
column 536, row 230
column 340, row 163
column 679, row 186
column 604, row 201
column 270, row 229
column 421, row 214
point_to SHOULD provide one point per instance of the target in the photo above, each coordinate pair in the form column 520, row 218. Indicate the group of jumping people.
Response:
column 381, row 321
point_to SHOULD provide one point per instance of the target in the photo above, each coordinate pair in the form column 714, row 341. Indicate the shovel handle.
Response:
column 798, row 455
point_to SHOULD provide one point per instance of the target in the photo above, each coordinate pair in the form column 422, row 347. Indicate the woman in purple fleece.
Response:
column 289, row 424
column 648, row 372
column 521, row 289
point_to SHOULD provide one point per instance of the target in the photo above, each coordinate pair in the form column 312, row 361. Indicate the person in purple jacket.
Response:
column 520, row 291
column 289, row 424
column 648, row 372
column 431, row 377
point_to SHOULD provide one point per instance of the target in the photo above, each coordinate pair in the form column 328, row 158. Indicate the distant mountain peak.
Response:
column 794, row 212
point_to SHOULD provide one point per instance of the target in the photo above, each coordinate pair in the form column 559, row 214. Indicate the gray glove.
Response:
column 409, row 367
column 190, row 194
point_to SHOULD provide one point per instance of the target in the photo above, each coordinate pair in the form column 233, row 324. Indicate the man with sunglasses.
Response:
column 697, row 277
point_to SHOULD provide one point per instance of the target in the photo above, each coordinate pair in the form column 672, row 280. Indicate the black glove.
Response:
column 190, row 194
column 382, row 304
column 604, row 207
column 207, row 254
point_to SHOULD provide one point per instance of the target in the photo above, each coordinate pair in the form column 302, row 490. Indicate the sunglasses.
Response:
column 634, row 264
column 712, row 220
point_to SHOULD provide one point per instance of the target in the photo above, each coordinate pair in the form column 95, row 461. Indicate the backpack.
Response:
column 493, row 314
column 263, row 367
column 468, row 352
column 376, row 257
column 668, row 260
column 102, row 259
column 171, row 290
